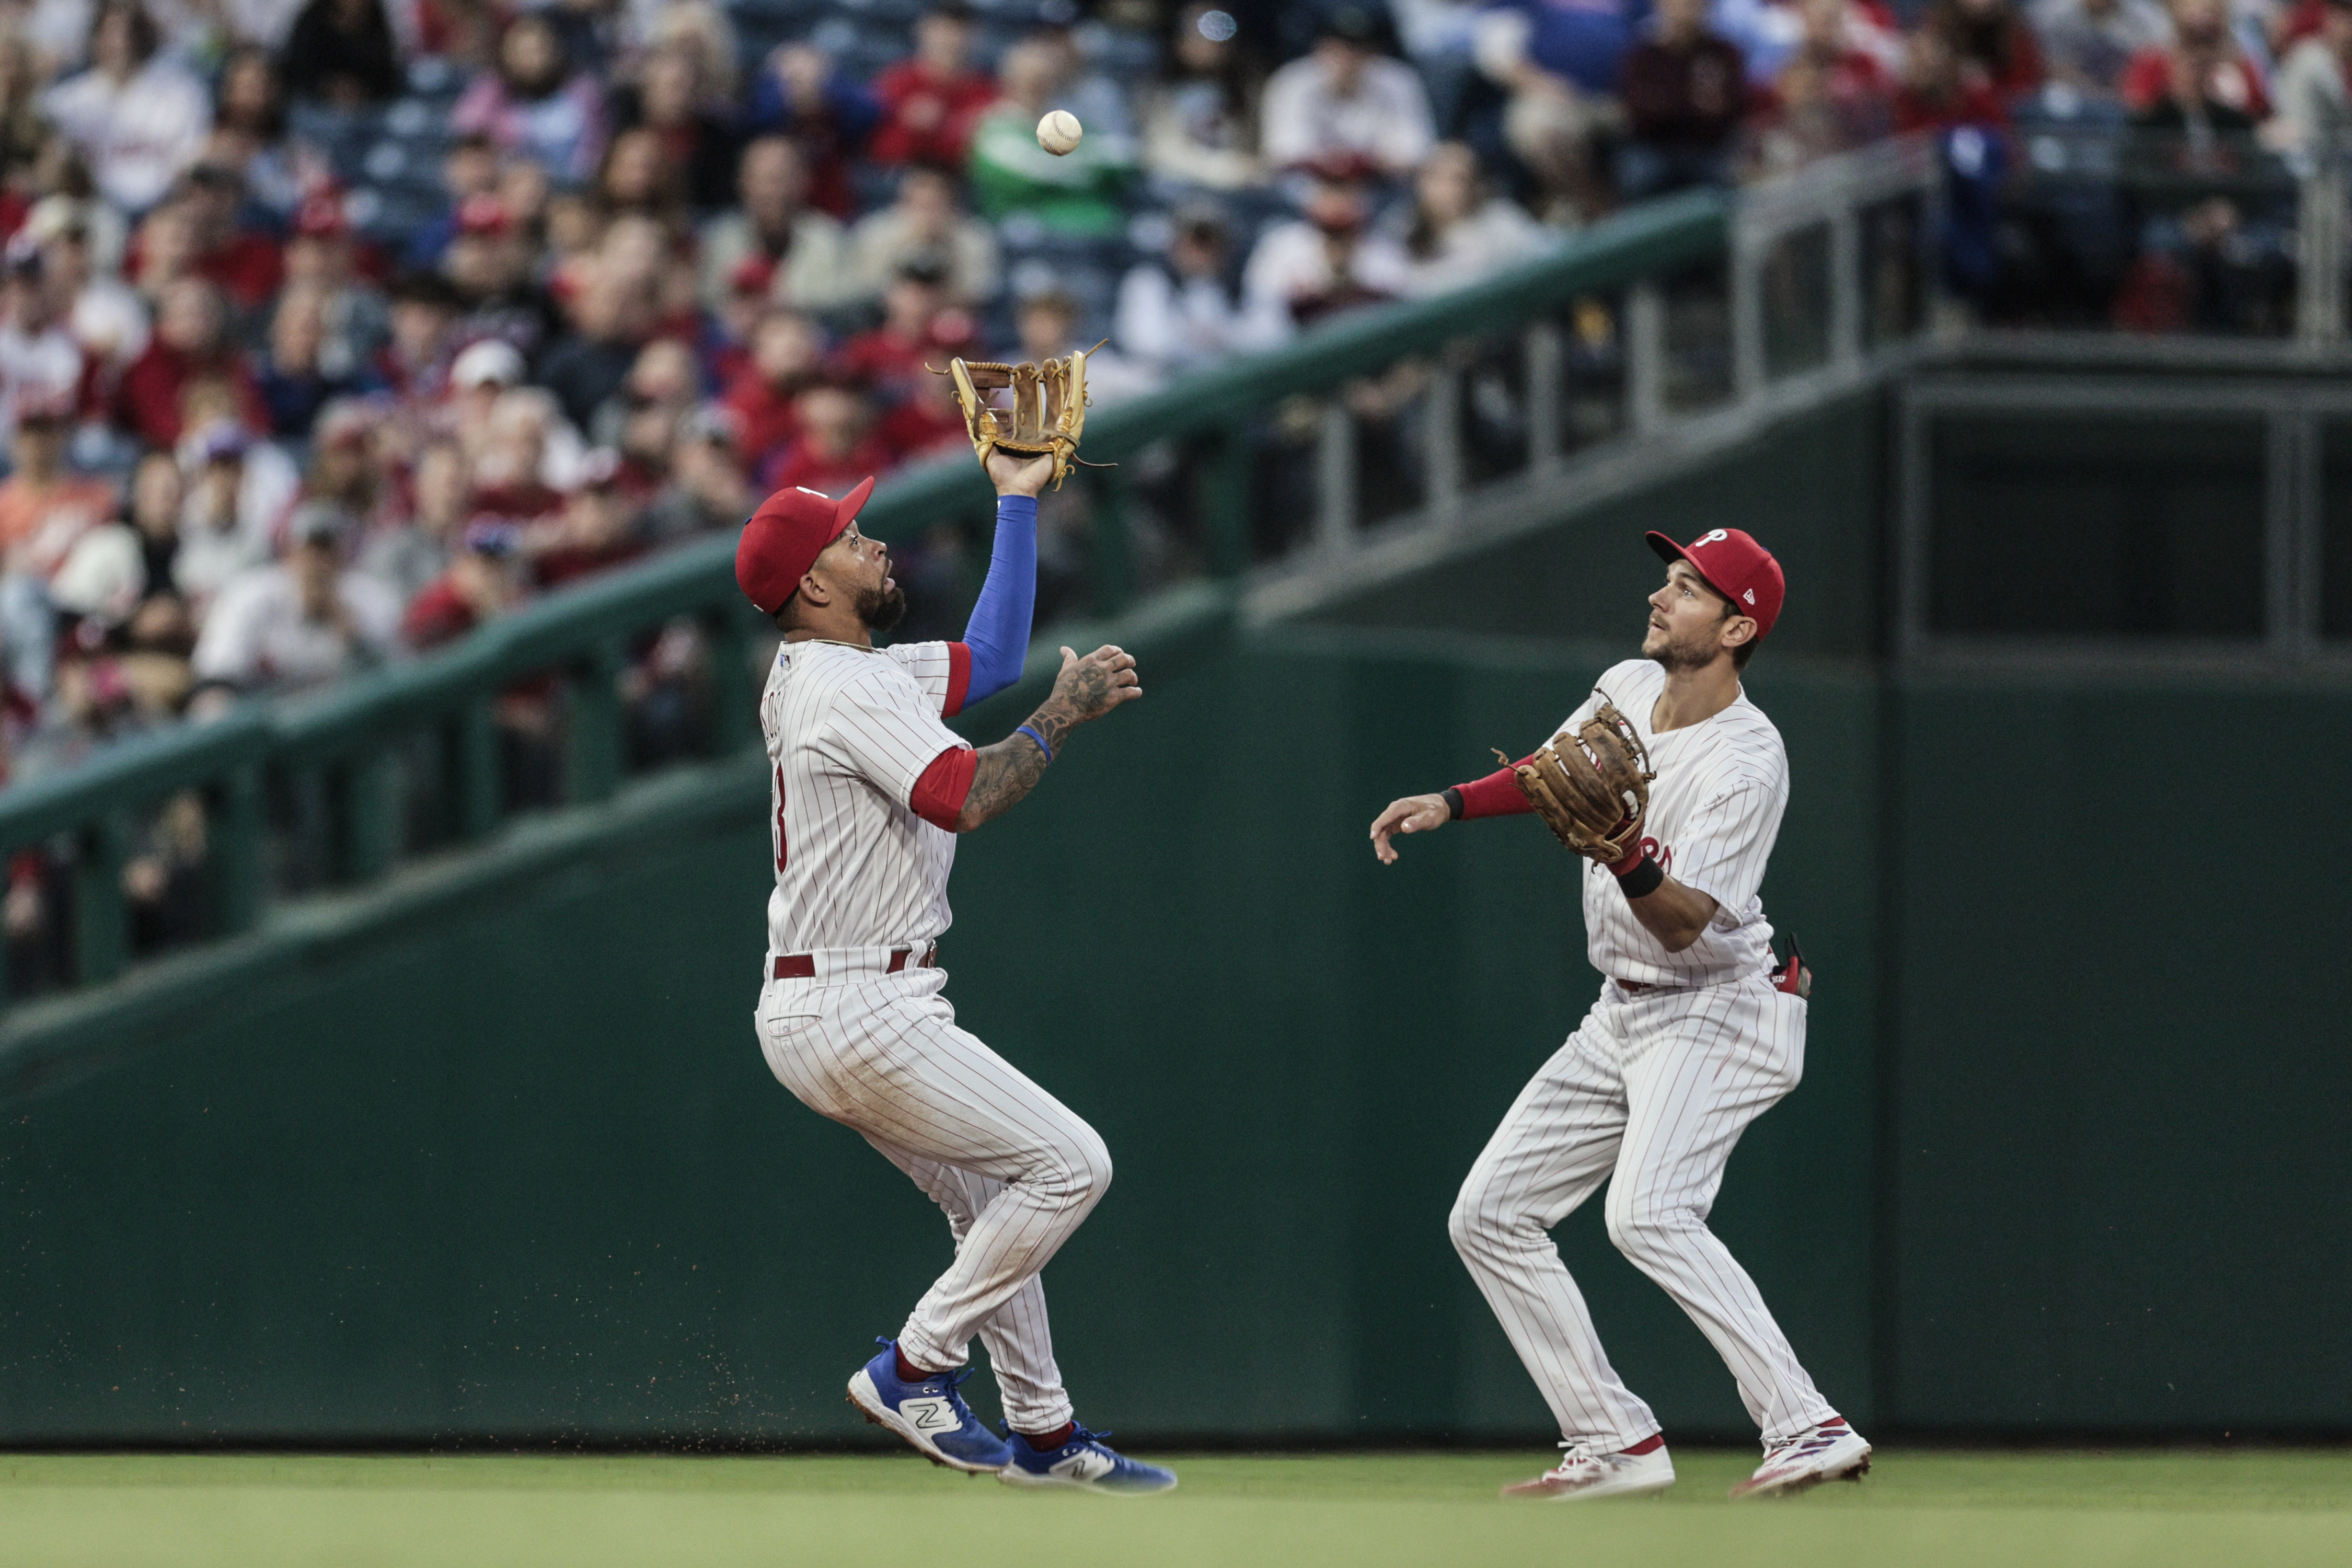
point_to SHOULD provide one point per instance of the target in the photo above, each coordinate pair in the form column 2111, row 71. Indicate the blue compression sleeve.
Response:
column 999, row 633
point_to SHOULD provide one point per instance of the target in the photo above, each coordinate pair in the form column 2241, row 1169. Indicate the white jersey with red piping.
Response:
column 1715, row 811
column 849, row 731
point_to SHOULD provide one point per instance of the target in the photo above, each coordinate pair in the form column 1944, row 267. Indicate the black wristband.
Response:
column 1452, row 803
column 1644, row 879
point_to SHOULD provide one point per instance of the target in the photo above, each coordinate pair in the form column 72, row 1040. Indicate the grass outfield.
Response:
column 1920, row 1508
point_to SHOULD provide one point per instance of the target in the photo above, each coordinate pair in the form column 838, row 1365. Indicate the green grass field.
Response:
column 1923, row 1508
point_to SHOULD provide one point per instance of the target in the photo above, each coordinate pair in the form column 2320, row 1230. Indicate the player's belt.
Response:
column 802, row 965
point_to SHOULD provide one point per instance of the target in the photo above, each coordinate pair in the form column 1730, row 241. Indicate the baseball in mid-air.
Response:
column 1059, row 132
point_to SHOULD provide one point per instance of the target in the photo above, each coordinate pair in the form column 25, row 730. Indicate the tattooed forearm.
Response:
column 1086, row 688
column 1006, row 772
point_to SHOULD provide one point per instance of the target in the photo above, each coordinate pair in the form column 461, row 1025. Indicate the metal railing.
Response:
column 1683, row 306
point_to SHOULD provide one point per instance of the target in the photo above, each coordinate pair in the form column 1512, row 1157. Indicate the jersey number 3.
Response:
column 782, row 852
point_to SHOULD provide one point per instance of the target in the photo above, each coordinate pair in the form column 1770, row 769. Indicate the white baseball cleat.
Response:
column 1831, row 1451
column 1581, row 1473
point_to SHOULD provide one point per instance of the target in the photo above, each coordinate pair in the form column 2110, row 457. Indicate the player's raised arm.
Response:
column 1086, row 688
column 998, row 633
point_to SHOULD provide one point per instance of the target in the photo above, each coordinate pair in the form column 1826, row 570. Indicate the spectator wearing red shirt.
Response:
column 931, row 100
column 917, row 325
column 249, row 267
column 787, row 359
column 191, row 344
column 483, row 582
column 1938, row 91
column 2203, row 72
column 597, row 531
column 926, row 421
column 836, row 449
column 1684, row 90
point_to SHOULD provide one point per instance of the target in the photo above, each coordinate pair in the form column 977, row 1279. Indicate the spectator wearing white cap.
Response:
column 301, row 621
column 481, row 378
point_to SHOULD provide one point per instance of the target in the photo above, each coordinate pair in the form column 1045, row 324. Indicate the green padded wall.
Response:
column 2117, row 1112
column 518, row 1170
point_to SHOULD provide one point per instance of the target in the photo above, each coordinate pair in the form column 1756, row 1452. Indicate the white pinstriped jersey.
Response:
column 1715, row 810
column 849, row 731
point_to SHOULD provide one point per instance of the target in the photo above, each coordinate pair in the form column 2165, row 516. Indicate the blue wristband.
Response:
column 1025, row 729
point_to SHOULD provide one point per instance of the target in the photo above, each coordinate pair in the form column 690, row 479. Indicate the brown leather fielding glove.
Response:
column 1592, row 786
column 1048, row 413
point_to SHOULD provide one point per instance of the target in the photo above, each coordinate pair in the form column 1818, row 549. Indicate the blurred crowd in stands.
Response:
column 331, row 329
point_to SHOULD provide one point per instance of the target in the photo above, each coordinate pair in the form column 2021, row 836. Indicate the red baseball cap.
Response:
column 483, row 214
column 784, row 538
column 321, row 215
column 1735, row 566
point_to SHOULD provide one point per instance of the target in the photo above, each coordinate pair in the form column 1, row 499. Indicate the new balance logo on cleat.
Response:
column 930, row 1414
column 1086, row 1462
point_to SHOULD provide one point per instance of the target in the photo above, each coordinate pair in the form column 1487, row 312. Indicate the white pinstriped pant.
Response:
column 1015, row 1169
column 1649, row 1094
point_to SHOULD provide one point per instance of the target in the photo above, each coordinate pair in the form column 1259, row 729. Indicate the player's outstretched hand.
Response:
column 1413, row 813
column 1016, row 475
column 1093, row 686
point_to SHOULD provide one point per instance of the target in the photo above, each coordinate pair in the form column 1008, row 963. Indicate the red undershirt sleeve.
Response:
column 939, row 794
column 1497, row 794
column 958, row 682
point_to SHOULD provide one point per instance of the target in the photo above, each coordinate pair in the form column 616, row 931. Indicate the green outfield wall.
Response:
column 487, row 1151
column 511, row 1163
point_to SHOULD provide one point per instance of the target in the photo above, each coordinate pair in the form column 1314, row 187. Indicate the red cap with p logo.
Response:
column 784, row 538
column 1735, row 566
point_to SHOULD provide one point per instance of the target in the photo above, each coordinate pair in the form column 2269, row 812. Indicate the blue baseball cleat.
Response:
column 931, row 1415
column 1086, row 1462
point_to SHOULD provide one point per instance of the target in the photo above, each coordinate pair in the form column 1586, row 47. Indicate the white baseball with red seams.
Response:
column 859, row 876
column 1653, row 1090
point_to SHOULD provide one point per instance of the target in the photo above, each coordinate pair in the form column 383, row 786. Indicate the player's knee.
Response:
column 1643, row 1231
column 1083, row 1171
column 1479, row 1222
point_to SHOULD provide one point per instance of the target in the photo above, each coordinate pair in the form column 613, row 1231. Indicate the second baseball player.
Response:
column 1696, row 1034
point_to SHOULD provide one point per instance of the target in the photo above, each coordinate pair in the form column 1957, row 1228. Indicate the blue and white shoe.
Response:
column 1086, row 1462
column 930, row 1414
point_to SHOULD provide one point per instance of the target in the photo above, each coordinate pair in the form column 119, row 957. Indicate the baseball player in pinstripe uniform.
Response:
column 1696, row 1034
column 869, row 789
